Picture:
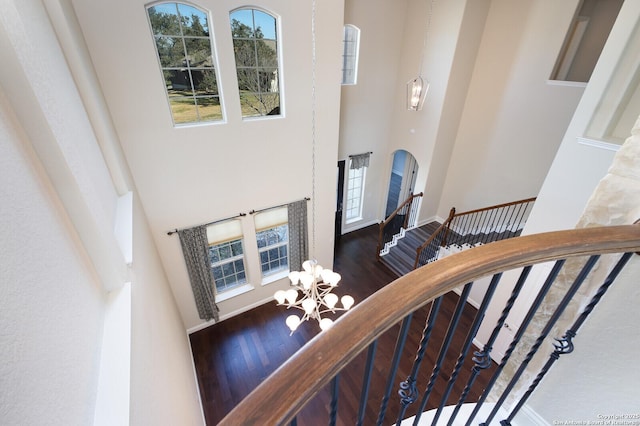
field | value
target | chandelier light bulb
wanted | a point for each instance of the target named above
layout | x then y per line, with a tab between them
294	277
326	323
309	305
347	301
330	300
293	321
307	265
306	279
291	296
280	295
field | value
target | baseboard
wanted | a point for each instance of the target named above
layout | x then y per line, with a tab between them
230	315
528	417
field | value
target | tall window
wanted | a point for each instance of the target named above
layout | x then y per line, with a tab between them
272	235
355	192
182	36
350	51
255	46
226	254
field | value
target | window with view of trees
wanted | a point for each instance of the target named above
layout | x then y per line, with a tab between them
272	236
226	254
255	46
183	44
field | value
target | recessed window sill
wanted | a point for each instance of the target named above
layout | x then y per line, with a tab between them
566	83
237	291
275	277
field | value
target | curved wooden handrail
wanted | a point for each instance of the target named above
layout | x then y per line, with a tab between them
276	400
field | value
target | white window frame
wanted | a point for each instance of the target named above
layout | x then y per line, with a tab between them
350	54
227	233
275	85
188	69
266	221
355	193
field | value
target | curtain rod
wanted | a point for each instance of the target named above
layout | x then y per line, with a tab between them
355	155
208	223
275	207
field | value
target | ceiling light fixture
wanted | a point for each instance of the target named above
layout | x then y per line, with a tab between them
315	284
417	88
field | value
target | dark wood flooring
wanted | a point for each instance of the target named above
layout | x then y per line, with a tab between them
234	356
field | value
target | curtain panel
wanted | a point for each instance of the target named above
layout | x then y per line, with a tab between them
359	161
298	235
195	249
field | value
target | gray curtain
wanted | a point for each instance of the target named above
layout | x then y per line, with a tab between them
298	235
195	249
359	161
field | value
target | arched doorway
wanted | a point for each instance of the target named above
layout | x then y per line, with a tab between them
402	181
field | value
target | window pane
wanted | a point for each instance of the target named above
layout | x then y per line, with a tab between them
209	108
245	52
170	52
198	52
204	82
194	21
267	80
164	19
265	25
183	110
267	52
178	83
242	23
251	105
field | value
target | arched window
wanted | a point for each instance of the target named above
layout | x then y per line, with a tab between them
255	45
182	38
350	50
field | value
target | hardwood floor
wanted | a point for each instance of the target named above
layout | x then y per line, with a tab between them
234	356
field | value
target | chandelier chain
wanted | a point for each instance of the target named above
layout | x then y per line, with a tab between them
313	129
426	35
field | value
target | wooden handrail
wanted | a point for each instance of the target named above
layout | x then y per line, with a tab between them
497	206
276	400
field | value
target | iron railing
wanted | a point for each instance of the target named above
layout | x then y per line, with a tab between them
575	253
475	227
403	218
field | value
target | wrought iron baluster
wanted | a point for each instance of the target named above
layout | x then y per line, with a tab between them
453	324
366	381
516	339
408	391
333	408
395	362
482	358
565	344
467	343
543	334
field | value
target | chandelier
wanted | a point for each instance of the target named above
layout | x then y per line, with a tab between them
314	284
417	88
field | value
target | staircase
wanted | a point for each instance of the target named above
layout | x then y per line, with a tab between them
401	258
409	249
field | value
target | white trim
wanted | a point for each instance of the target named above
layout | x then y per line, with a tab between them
359	226
528	417
597	143
114	378
269	279
235	291
195	379
566	83
230	314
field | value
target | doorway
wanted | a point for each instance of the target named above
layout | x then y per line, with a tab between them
402	181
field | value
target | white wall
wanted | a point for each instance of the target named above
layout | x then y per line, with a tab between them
601	375
513	120
196	174
366	108
51	299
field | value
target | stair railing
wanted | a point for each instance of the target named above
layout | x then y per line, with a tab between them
403	218
474	227
315	367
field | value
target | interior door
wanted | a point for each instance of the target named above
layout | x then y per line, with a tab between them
339	200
